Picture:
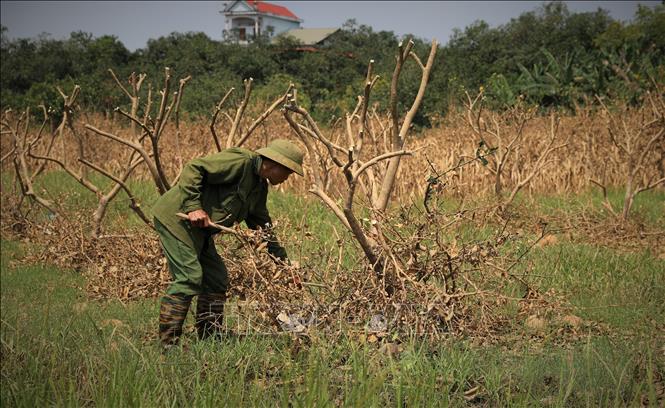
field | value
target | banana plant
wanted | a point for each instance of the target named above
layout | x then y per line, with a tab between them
550	83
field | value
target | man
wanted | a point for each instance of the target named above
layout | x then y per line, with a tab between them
223	188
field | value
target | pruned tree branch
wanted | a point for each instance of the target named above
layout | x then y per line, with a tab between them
606	201
278	102
399	136
178	99
140	150
240	112
23	173
218	108
120	182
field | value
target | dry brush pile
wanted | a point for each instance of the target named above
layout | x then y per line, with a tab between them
403	269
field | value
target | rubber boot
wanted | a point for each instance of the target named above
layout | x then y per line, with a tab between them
172	314
210	315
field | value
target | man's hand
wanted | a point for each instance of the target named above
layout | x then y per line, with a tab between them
287	263
199	218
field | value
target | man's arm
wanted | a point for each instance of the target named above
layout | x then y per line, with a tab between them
260	219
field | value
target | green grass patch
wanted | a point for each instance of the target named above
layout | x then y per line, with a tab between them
648	206
60	348
622	289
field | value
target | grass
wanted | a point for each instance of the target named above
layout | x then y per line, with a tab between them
625	290
60	348
648	206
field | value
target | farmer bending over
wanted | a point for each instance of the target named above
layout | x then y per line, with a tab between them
222	188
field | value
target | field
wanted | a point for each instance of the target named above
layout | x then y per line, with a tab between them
557	282
480	223
61	347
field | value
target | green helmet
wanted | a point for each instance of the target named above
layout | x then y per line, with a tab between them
285	153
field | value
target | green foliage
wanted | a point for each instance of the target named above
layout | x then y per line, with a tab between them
555	58
552	84
276	86
499	91
203	93
549	56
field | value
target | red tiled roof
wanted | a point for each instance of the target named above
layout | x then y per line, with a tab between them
263	7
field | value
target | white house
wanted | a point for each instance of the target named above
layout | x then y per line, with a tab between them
247	20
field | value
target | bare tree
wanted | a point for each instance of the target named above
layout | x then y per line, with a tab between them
135	83
399	133
79	175
636	142
524	177
504	133
153	129
18	129
326	153
69	102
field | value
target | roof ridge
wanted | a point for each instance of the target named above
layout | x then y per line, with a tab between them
264	7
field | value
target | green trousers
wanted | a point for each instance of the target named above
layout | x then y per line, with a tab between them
192	273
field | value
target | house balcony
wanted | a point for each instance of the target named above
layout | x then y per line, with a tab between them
243	29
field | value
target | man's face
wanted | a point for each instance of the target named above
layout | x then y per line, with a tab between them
277	174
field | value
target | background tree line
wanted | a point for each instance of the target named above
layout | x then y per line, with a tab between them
549	56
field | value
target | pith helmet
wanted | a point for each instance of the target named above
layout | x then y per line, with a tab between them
285	153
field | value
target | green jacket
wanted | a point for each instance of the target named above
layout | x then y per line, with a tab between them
228	187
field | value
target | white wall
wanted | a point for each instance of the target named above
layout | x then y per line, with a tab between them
278	24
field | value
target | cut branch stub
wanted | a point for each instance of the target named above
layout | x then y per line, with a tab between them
218	108
240	112
399	137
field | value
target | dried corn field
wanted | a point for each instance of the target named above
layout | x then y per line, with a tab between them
587	153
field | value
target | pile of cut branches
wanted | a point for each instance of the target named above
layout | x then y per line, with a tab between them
434	282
